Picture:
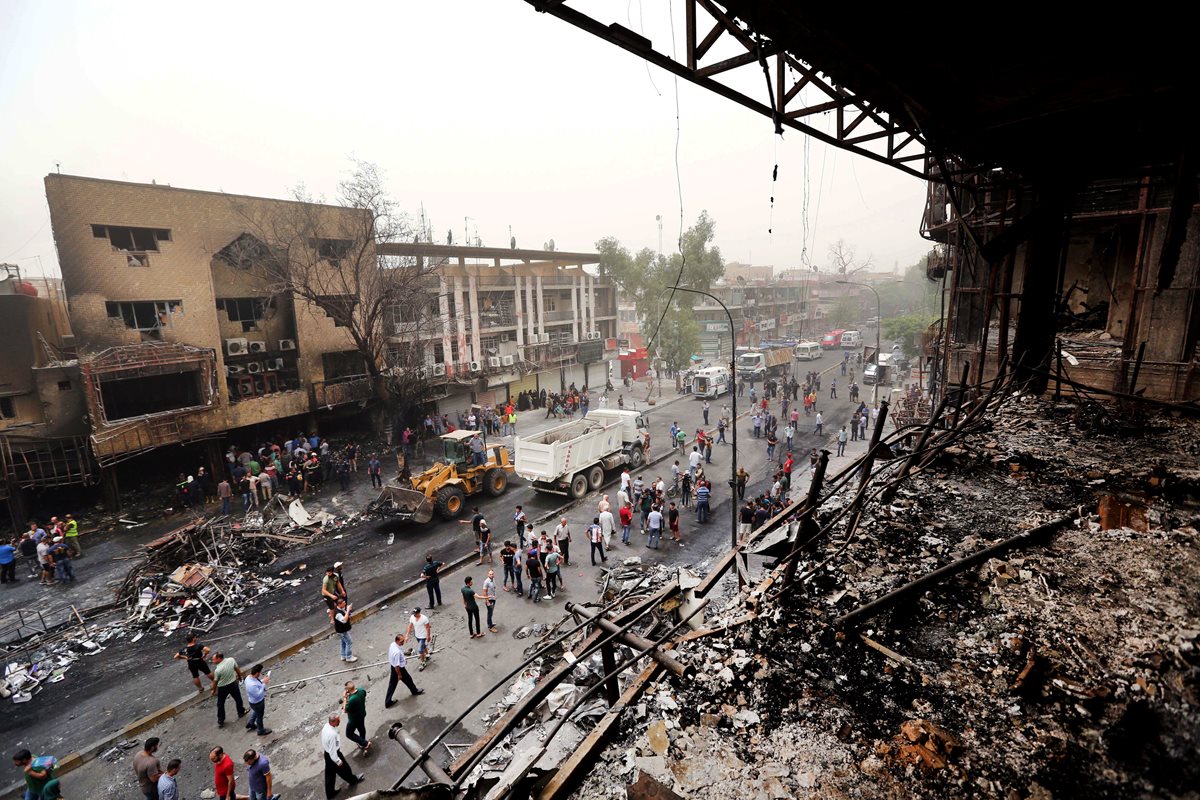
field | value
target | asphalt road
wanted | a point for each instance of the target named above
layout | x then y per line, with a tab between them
103	693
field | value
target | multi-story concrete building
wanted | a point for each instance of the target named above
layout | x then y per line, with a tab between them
182	338
508	321
762	308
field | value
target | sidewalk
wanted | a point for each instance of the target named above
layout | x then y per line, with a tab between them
460	670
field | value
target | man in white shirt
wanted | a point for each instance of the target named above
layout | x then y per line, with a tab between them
694	460
336	765
596	537
421	628
398	671
608	524
562	536
654	521
625	481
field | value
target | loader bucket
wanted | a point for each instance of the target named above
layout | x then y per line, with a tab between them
406	504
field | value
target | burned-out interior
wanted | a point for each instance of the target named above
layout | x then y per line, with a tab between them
137	395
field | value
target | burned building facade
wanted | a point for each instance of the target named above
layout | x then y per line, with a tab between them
179	338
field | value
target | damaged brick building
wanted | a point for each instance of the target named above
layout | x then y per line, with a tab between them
177	334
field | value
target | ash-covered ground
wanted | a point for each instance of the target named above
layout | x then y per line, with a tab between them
1063	669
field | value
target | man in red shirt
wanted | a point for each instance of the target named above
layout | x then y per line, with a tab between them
224	780
626	521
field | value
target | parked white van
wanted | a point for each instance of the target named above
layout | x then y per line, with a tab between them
851	340
807	351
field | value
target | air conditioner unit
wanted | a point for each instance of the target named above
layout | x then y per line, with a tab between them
593	334
257	346
507	361
504	337
274	364
235	369
254	367
439	370
493	361
246	388
422	371
474	366
287	344
236	347
543	338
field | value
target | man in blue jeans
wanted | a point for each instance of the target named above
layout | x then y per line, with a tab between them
258	767
702	496
256	694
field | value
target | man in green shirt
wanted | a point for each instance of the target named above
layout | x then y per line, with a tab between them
354	706
227	674
71	531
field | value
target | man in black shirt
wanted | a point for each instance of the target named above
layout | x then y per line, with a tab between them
433	580
195	654
745	521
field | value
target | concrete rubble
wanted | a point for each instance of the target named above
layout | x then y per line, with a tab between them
1067	668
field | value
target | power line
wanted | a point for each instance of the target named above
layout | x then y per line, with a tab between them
30	239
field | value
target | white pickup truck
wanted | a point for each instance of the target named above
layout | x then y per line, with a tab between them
571	458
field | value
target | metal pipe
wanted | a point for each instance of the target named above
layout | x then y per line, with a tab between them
501	790
498	684
548	682
632	639
411	746
868	610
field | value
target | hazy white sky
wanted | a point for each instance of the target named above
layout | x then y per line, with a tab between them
479	109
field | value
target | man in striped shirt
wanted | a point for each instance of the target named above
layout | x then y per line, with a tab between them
703	493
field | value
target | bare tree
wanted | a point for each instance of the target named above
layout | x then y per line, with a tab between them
328	256
844	259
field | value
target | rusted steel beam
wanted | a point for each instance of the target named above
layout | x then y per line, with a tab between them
543	687
397	733
571	771
926	582
659	654
735	62
608	659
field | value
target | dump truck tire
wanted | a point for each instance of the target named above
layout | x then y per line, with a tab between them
636	458
579	486
495	482
450	501
595	477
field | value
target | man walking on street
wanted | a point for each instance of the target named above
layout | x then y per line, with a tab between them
489	597
420	627
841	440
654	523
168	789
195	653
398	671
534	567
226	675
258	775
336	765
596	537
472	607
342	626
521	519
820	424
432	578
354	706
562	536
375	470
224	781
256	694
705	409
703	493
147	769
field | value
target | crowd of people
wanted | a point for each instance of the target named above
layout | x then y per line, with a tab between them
49	552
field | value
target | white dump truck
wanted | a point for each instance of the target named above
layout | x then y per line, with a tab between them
571	458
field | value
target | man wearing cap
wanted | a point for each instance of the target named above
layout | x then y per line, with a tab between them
398	671
421	628
61	554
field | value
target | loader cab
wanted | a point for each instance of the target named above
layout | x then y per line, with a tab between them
457	448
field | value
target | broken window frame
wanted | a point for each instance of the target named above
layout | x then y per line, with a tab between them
247	310
129	311
131	238
331	250
8	409
350	301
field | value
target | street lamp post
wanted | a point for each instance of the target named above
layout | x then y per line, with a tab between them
878	324
733	498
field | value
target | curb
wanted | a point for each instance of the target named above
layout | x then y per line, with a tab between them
92	751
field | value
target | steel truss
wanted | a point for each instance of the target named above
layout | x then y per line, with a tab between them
861	126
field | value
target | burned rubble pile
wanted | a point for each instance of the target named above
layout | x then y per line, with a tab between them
1067	667
187	579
